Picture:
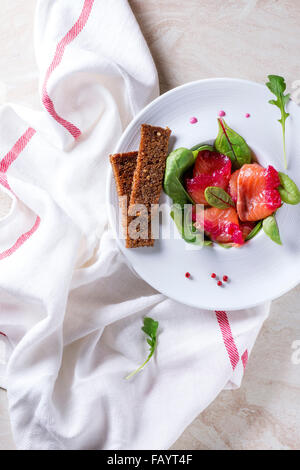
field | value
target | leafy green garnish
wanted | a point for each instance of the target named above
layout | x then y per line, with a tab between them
198	148
225	245
230	143
150	329
288	190
277	86
270	228
178	162
182	217
217	197
254	231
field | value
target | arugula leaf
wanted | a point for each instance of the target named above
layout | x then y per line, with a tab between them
277	86
150	329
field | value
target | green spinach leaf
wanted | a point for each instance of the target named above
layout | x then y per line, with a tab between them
150	329
178	162
288	190
182	217
225	245
217	197
277	86
230	143
270	228
196	149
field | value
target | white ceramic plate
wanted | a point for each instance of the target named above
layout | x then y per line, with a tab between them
258	271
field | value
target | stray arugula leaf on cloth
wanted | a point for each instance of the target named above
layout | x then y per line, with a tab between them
150	329
277	86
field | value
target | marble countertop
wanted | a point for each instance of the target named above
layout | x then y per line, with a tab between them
192	40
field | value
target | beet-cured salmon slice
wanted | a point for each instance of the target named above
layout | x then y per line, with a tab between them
210	169
221	225
257	196
197	185
212	163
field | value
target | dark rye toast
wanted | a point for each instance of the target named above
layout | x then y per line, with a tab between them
148	177
123	165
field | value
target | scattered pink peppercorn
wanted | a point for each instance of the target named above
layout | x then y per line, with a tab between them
193	120
187	275
225	278
247	115
213	275
222	113
220	283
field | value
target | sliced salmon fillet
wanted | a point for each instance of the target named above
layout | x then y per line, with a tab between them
210	169
232	187
221	225
257	196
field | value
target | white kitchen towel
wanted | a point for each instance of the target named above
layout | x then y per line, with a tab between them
71	309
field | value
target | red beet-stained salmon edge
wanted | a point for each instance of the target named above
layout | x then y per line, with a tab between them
237	237
273	199
272	178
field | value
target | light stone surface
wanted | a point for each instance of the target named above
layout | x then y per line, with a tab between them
192	40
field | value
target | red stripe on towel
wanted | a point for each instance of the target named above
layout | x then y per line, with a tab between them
4	182
11	156
2	334
60	49
5	163
21	240
228	338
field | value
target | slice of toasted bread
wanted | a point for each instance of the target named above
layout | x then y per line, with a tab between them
123	165
148	177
